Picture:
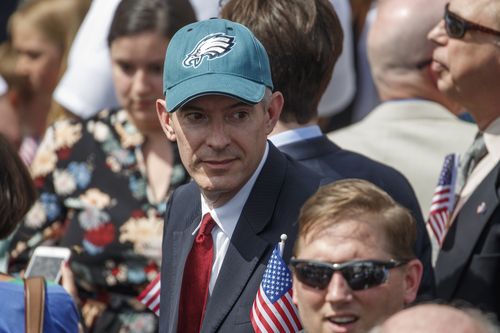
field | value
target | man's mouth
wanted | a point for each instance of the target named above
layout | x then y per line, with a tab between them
342	323
343	320
218	163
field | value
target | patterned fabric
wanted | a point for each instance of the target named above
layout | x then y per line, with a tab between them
150	296
443	200
93	198
273	310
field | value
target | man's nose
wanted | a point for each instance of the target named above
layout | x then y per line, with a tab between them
438	34
338	290
218	137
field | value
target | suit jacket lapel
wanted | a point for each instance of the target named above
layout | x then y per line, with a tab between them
463	235
182	241
246	247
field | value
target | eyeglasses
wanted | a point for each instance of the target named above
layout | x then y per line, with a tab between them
456	26
360	274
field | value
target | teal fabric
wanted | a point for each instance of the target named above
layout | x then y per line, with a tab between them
215	56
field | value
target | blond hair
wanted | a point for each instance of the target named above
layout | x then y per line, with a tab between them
355	199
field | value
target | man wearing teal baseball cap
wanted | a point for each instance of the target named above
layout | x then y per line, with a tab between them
221	228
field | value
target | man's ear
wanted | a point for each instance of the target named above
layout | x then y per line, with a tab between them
274	110
165	119
413	276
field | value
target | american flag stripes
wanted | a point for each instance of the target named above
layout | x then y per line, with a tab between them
273	309
150	296
443	200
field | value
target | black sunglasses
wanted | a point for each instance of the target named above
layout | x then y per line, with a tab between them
456	26
359	274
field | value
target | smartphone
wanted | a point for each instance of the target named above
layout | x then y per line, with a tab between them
46	261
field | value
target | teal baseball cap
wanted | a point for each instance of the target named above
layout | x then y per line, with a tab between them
215	57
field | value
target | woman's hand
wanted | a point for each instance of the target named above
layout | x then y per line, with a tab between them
68	281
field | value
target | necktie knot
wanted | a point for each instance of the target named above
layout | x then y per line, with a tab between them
207	224
470	159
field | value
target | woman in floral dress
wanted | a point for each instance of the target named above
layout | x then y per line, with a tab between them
103	182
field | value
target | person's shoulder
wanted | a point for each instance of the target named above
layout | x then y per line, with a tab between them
62	310
57	294
185	193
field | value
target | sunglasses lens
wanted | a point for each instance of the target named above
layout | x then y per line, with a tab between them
365	275
314	275
454	27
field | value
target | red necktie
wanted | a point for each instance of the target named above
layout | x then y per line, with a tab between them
194	292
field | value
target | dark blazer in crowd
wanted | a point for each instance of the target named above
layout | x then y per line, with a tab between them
468	265
324	157
271	210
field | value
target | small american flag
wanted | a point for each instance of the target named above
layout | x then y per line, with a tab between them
150	296
443	200
273	309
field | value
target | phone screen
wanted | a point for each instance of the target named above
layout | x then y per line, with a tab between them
47	267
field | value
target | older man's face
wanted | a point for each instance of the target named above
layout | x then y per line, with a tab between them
468	66
339	308
221	141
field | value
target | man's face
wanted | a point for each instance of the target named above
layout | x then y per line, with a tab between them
338	308
468	68
221	141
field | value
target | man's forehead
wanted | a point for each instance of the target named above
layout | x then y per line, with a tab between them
348	232
486	12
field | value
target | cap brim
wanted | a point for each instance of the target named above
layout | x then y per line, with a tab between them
214	84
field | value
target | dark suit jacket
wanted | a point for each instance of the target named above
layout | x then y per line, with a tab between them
324	157
468	265
271	210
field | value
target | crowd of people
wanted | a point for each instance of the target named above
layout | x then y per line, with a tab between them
196	166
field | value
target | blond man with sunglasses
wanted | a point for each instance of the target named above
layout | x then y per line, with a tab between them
466	62
353	263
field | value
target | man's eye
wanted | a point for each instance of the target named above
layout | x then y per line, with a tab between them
194	116
240	115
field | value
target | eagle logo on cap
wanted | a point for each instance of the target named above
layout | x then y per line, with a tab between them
212	47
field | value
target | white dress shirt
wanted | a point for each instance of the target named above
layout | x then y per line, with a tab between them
226	217
492	140
296	134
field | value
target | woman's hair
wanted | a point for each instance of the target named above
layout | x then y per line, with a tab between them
17	192
137	16
57	20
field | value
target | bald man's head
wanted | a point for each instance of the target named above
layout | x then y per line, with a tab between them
437	318
399	51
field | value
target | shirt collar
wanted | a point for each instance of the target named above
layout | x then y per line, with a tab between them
492	138
227	216
296	134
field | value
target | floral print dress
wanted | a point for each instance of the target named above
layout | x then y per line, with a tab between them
94	199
